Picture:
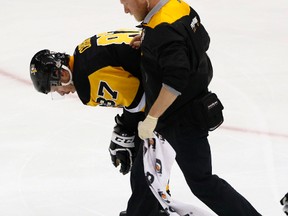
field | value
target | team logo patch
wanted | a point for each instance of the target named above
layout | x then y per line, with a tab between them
33	69
195	24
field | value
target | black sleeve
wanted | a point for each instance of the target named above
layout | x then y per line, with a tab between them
173	57
131	120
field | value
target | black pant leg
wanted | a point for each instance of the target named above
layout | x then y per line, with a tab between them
194	159
142	201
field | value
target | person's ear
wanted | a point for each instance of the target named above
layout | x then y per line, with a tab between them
65	74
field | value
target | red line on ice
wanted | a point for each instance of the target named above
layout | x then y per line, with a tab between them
241	130
251	131
14	77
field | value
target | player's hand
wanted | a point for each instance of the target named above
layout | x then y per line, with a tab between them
146	127
284	202
122	147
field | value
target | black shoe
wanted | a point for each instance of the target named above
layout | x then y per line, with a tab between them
161	213
123	213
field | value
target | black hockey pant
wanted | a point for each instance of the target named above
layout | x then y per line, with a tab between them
194	159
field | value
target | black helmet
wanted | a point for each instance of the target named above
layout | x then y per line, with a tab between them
45	69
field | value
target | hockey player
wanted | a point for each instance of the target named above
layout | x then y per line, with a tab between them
104	70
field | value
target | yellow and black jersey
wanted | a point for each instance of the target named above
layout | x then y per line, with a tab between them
106	71
174	45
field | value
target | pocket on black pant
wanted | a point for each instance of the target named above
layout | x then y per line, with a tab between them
207	111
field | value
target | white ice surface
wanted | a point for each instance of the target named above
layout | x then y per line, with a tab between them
54	158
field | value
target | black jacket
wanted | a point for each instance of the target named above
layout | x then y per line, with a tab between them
174	45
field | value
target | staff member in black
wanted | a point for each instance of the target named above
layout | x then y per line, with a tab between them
176	71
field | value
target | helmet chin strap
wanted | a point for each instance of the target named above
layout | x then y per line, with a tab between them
70	74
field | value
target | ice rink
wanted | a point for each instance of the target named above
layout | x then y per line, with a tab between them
54	158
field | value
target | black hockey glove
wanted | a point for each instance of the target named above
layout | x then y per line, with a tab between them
284	202
122	146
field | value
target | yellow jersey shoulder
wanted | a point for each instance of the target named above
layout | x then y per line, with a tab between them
169	13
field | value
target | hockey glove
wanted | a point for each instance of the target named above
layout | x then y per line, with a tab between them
122	147
284	201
